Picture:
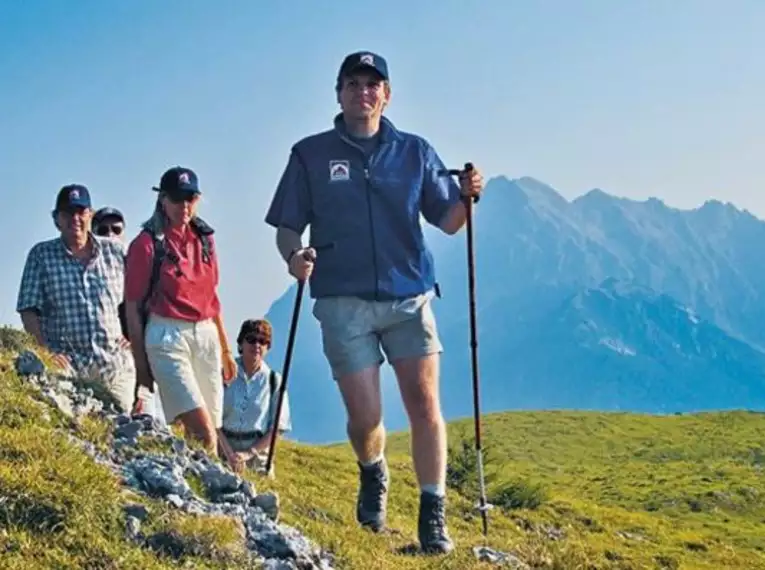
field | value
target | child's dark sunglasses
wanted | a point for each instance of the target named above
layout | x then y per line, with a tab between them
110	229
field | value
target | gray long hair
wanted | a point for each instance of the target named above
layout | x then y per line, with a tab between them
157	223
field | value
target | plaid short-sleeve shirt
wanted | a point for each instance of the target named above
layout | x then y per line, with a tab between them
77	302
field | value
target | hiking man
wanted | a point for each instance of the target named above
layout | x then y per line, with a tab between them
109	222
362	186
70	288
249	401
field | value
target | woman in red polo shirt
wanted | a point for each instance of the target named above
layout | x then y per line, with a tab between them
173	312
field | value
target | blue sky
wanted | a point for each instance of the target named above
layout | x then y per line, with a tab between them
640	99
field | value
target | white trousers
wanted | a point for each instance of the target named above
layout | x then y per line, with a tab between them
185	359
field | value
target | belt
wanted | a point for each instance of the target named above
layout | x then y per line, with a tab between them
242	434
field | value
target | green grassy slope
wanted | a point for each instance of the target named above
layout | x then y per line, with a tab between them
60	509
578	490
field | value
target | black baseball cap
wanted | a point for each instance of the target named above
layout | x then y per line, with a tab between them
72	196
107	212
364	60
179	179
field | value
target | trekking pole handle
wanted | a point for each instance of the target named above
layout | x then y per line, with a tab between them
317	248
456	172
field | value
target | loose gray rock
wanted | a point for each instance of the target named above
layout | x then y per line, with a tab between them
161	477
29	364
269	503
129	430
132	528
486	554
217	480
136	510
278	564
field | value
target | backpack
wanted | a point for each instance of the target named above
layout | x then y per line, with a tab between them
201	228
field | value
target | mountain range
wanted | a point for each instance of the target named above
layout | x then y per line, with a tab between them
599	303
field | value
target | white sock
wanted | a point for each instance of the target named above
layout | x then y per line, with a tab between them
434	489
373	461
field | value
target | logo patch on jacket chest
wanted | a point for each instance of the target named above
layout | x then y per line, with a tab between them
339	170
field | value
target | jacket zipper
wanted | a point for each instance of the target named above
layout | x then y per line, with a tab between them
368	186
372	228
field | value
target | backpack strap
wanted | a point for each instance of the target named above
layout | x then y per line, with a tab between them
204	231
159	254
272	385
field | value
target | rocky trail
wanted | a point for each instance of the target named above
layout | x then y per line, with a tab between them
165	475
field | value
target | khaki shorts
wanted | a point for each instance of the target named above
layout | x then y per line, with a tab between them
185	360
357	334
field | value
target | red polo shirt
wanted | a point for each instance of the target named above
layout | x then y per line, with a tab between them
186	290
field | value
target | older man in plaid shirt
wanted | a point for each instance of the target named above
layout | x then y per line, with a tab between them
70	290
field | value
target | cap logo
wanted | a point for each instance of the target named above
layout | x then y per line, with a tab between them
183	178
367	59
74	194
339	170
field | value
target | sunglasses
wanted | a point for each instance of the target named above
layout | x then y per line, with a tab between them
181	196
256	339
109	229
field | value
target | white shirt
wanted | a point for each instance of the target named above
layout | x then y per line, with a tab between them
247	405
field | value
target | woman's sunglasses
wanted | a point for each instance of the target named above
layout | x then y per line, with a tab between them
256	339
110	229
178	196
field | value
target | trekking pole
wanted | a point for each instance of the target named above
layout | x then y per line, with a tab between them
483	505
285	373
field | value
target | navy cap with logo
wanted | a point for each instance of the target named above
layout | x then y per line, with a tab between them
364	60
177	180
71	197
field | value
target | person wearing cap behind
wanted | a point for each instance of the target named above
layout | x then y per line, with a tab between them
174	320
250	401
109	222
70	289
361	186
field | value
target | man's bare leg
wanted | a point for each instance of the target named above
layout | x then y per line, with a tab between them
418	381
363	403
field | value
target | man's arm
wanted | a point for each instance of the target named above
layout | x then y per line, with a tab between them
290	209
30	298
454	219
441	203
287	241
31	322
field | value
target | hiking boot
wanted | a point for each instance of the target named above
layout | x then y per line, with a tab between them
431	525
371	504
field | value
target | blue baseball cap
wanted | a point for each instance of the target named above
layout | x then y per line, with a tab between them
72	196
364	60
179	179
